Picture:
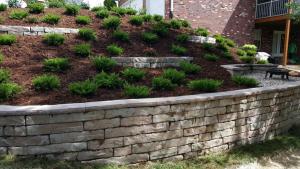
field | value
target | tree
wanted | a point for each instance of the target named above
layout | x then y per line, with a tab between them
295	14
109	3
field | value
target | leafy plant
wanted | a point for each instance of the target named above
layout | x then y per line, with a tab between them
54	39
147	17
136	20
178	50
157	18
7	39
3	7
161	29
83	50
241	52
230	43
205	85
31	20
175	24
136	91
112	22
110	81
1	58
84	5
56	64
175	76
261	62
103	13
9	90
119	10
98	8
46	82
202	32
83	20
227	55
55	3
109	4
36	8
182	38
18	14
223	47
185	23
4	75
189	68
247	59
51	19
121	36
250	49
150	38
87	34
133	74
103	63
160	83
245	81
131	11
219	38
211	57
208	46
114	50
72	9
84	88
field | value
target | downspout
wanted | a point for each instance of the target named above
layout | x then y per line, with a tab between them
171	9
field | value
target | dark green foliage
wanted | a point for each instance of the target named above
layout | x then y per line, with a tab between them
230	43
83	20
245	81
147	17
160	83
182	38
84	5
18	14
133	74
158	18
104	13
98	8
72	9
103	63
208	46
225	41
205	85
150	52
150	38
7	39
261	62
136	20
136	91
84	88
109	4
9	90
3	7
36	8
112	22
241	52
211	57
131	11
185	23
83	50
175	24
176	77
54	39
247	59
250	49
189	68
46	82
119	10
223	47
161	29
178	50
1	58
56	64
121	36
55	3
31	20
110	81
202	32
4	75
87	34
114	50
51	19
219	38
227	55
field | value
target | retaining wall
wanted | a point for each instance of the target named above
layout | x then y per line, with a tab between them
132	131
35	30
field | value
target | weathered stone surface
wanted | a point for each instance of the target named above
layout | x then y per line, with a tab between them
54	128
24	141
215	111
140	111
132	121
35	30
12	121
194	131
107	143
91	155
14	131
122	151
134	158
101	124
184	149
187	124
77	136
3	150
163	153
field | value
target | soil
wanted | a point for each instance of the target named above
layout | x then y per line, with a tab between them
24	59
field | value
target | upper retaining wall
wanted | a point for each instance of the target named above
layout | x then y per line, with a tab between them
132	131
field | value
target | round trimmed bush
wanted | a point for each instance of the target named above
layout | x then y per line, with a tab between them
112	22
103	63
182	38
121	36
7	39
109	81
185	23
136	91
131	11
32	20
55	3
205	85
211	57
72	9
175	24
18	14
98	8
150	38
133	74
241	52
56	64
178	50
114	50
46	82
54	39
157	18
201	32
4	75
9	90
147	17
87	34
161	29
160	83
109	4
83	50
245	81
189	68
136	20
104	13
3	7
176	77
36	8
51	19
83	20
84	88
119	10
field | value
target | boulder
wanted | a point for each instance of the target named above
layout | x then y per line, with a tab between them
262	56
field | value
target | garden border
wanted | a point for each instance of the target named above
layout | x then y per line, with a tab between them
35	30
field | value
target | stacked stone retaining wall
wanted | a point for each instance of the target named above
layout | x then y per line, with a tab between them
35	30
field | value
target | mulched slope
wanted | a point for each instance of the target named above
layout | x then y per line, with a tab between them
24	59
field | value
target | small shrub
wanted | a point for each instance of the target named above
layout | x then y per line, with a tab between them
46	82
103	63
18	14
208	46
175	24
54	39
136	20
241	52
261	62
1	58
245	81
83	50
178	50
84	5
211	57
161	29
182	38
83	20
114	50
147	17
175	76
56	4
227	55
87	34
150	52
110	81
202	32
121	36
9	90
4	75
223	47
150	38
98	8
72	9
51	19
247	59
112	22
31	20
3	7
136	91
119	10
7	39
56	64
230	43
131	11
36	8
160	83
247	47
157	18
133	74
84	88
219	38
109	4
185	23
104	13
205	85
189	68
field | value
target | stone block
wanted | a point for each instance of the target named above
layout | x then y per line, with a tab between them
91	155
173	158
186	124
37	29
132	121
14	131
147	147
163	153
210	120
184	149
227	117
130	159
215	111
54	128
102	124
77	136
168	117
122	151
194	131
12	121
24	141
139	111
107	143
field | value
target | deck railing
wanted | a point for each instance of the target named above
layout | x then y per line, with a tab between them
271	8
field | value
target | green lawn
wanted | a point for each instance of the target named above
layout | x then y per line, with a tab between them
241	155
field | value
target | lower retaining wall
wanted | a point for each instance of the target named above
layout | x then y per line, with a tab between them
132	131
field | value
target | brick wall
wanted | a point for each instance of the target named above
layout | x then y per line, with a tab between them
132	131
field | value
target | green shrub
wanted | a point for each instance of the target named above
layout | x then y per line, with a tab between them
157	18
189	68
3	7
160	83
104	13
223	47
219	38
98	8
241	52
208	46
51	19
175	24
185	23
147	17
9	90
84	88
72	9
103	63
1	58
136	20
150	38
55	4
4	75
54	39
110	81
251	50
211	57
131	11
182	38
247	59
83	50
175	76
109	4
205	85
121	36
114	50
119	10
112	22
161	29
31	20
84	5
83	20
56	64
202	32
18	14
178	50
133	74
136	91
87	34
36	8
7	39
227	55
261	62
46	82
230	43
245	81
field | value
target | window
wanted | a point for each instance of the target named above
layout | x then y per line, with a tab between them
257	38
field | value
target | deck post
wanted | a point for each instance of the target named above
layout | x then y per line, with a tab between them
286	41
